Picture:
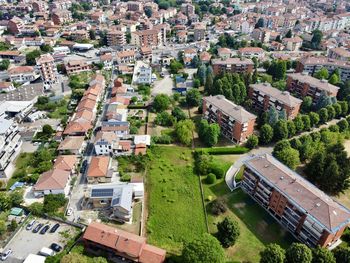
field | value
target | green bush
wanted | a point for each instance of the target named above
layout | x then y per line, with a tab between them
217	170
125	177
210	179
224	150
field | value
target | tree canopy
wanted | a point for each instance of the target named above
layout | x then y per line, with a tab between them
228	232
273	253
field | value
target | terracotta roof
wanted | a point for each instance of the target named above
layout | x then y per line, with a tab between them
78	126
53	179
86	104
314	82
71	143
21	69
124	243
251	49
105	136
98	166
66	162
307	196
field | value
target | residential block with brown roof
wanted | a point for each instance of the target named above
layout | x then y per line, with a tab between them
232	65
121	243
55	181
99	170
312	217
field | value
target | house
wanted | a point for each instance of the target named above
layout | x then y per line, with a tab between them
72	144
125	57
6	86
224	53
22	74
251	52
115	242
263	96
76	66
99	170
235	122
293	44
309	214
339	54
66	163
143	75
54	181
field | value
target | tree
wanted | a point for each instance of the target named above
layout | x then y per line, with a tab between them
291	128
289	34
210	179
299	124
203	249
323	101
278	69
164	119
184	130
175	66
218	207
5	202
314	118
343	125
306	122
48	130
289	157
228	232
344	107
298	253
316	39
178	114
252	141
161	103
193	97
74	258
322	255
331	112
342	254
209	82
46	48
3	227
337	108
334	79
322	74
195	62
53	202
36	208
16	197
4	64
273	253
148	11
266	134
272	115
307	104
280	130
260	23
92	34
323	115
13	225
31	56
209	133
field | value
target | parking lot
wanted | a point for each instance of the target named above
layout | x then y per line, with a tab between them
26	242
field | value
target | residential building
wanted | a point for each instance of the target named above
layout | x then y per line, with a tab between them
232	65
54	181
314	64
22	74
143	75
99	170
66	163
235	122
115	242
301	85
199	31
339	54
135	6
73	145
108	143
263	96
76	66
116	38
10	144
60	17
47	67
251	52
126	57
292	44
149	37
300	207
15	25
6	86
224	53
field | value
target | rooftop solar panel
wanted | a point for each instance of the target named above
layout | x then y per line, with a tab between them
102	192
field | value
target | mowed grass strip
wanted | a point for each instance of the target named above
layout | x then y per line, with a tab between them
175	211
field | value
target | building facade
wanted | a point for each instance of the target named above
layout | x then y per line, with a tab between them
232	65
307	213
47	67
263	96
235	122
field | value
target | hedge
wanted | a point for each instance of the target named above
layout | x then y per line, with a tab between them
224	150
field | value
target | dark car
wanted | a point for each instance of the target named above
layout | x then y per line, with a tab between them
56	247
37	228
83	166
54	228
44	230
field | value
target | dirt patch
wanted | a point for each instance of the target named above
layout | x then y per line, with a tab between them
347	146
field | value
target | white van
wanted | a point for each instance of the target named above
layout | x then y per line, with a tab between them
46	252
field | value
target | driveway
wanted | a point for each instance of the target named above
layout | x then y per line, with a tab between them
165	85
26	242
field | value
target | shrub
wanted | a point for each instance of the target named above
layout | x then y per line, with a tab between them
217	170
225	150
210	179
125	177
218	207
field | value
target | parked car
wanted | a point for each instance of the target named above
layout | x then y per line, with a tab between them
37	228
54	228
69	211
6	254
44	230
30	225
56	247
46	252
83	166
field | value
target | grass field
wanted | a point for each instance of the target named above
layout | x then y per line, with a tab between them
175	211
257	227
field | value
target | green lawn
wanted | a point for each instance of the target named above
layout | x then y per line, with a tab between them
175	211
257	227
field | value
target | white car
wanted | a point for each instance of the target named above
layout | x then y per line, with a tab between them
6	254
69	211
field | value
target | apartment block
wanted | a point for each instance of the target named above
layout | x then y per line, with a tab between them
232	65
301	85
235	122
116	38
306	212
10	144
60	17
76	66
314	64
149	38
263	96
47	67
339	54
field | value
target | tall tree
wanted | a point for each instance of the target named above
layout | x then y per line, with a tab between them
184	130
316	39
203	249
202	73
322	74
266	134
273	253
298	253
228	232
322	255
281	130
273	115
